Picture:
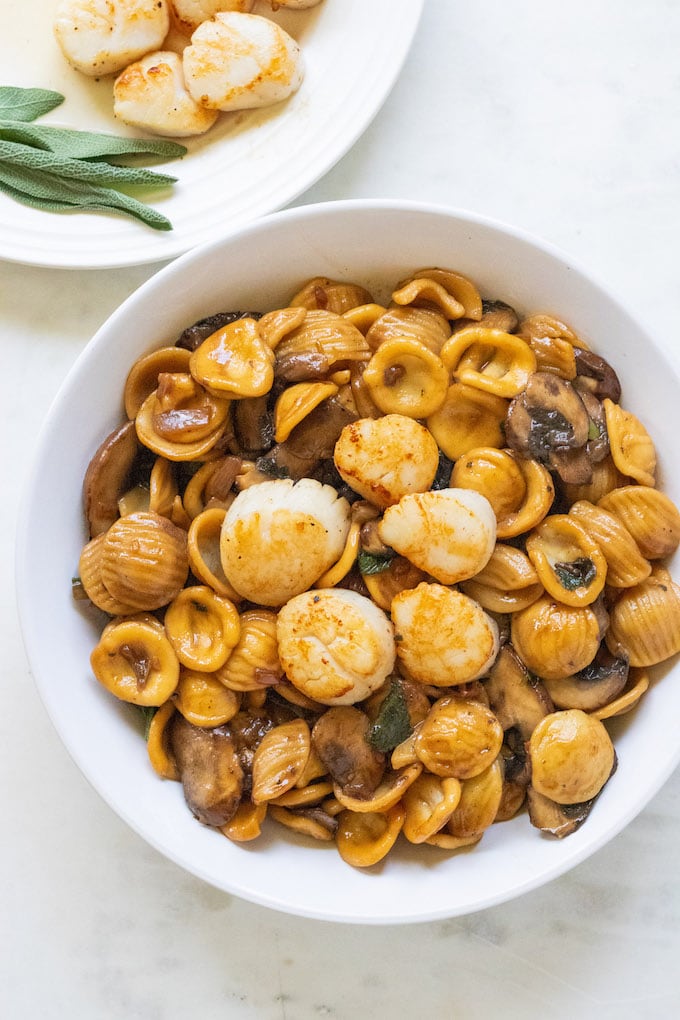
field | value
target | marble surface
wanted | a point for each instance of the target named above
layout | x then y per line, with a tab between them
564	120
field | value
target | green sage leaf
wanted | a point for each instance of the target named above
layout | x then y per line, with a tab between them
374	563
392	724
45	191
23	156
578	573
18	104
87	144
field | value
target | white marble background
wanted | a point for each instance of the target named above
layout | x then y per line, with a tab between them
562	118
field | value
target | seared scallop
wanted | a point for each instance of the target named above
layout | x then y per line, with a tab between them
384	458
449	533
443	637
335	645
103	36
279	537
189	14
151	94
239	61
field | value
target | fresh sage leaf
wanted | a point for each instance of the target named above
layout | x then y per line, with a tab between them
45	191
19	155
578	573
21	104
374	563
87	144
392	724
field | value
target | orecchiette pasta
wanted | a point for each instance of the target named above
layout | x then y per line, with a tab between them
381	566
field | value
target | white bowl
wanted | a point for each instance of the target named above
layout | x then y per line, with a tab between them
374	243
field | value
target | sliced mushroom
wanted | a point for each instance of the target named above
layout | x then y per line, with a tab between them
340	738
254	425
558	820
194	335
108	477
592	366
593	687
495	315
597	446
548	422
210	770
311	441
518	699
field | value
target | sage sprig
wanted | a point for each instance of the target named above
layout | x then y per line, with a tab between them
63	169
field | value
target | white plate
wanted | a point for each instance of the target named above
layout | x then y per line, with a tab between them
247	165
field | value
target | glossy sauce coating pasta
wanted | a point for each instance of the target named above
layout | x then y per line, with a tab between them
382	571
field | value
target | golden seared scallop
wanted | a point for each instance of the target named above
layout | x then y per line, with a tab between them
189	14
150	94
240	61
443	637
335	645
104	36
572	756
279	537
385	458
448	533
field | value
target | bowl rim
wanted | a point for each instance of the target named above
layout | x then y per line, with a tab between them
157	281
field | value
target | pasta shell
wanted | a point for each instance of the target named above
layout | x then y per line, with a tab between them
555	640
426	326
405	377
605	477
275	325
296	402
572	757
323	343
144	560
90	573
365	838
632	449
428	805
203	547
458	738
468	418
645	622
520	491
203	700
254	662
135	661
142	378
158	746
649	515
455	285
199	405
280	759
246	824
553	354
489	360
626	566
480	799
569	563
234	361
330	295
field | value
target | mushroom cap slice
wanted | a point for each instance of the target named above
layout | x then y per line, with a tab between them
107	477
210	770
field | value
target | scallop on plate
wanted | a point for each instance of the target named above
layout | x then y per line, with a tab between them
248	163
435	665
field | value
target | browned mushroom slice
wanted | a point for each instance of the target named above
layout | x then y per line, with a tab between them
495	315
311	441
194	335
108	476
340	738
253	425
557	820
518	699
548	422
592	366
593	687
209	768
